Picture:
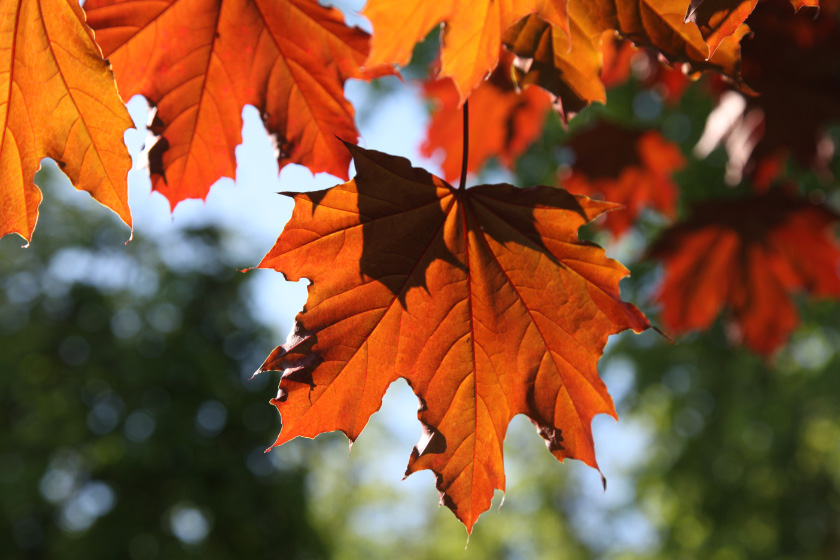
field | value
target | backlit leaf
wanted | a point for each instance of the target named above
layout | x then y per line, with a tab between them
201	61
547	60
572	73
484	300
718	19
472	32
749	256
59	101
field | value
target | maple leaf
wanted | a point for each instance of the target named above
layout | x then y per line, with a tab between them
749	255
568	65
509	122
200	61
793	63
545	58
60	101
718	19
482	299
626	166
472	32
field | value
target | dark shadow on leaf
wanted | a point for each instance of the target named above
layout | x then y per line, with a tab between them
402	221
531	41
553	436
508	213
160	147
296	359
315	196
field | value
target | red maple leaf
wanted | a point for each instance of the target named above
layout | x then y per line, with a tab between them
626	166
568	64
750	256
719	19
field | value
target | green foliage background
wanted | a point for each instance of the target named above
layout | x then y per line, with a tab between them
128	426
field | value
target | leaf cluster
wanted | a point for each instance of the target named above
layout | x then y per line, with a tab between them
485	300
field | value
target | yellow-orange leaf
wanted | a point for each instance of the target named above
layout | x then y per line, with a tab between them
472	32
201	61
59	100
484	300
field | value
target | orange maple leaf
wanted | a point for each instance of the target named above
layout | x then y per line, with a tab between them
508	120
626	166
200	61
749	255
568	65
59	101
471	38
482	299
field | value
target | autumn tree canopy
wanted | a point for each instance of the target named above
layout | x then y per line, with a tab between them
487	300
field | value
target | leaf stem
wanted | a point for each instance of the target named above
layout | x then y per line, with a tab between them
463	185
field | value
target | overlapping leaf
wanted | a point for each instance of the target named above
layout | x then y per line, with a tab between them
200	61
506	121
483	300
793	62
718	19
547	58
750	256
472	32
59	101
626	166
569	65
